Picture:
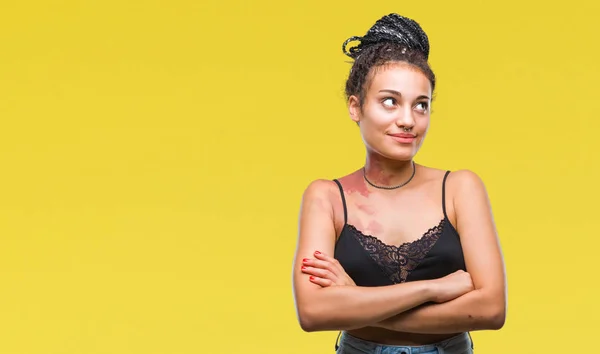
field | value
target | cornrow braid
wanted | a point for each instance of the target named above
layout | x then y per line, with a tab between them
393	38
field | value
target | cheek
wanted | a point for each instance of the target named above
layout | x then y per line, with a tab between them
423	123
373	128
422	129
379	119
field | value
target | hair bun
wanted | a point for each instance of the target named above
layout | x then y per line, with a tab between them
391	28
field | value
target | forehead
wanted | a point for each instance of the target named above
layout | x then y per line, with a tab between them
401	77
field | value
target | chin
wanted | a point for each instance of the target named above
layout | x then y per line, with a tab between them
406	155
395	151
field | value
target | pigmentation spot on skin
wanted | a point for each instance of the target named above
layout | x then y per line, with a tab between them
356	184
377	171
378	174
367	209
375	228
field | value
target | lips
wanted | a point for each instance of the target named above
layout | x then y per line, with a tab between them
403	135
403	138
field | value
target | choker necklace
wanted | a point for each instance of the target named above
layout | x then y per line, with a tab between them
392	187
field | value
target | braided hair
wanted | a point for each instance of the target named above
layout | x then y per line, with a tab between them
393	38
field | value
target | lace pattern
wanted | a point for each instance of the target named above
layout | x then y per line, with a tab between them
398	261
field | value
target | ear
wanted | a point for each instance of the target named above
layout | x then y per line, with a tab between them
354	108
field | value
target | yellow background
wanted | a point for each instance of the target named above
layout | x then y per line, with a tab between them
154	153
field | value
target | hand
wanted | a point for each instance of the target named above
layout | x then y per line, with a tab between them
452	286
326	271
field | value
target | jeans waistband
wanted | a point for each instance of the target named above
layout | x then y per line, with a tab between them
461	343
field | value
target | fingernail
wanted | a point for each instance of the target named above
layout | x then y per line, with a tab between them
317	252
305	260
303	268
312	278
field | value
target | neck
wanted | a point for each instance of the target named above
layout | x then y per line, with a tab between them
387	173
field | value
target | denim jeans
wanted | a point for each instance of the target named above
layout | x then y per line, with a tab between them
460	344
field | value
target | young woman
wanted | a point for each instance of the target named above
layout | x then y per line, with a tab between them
399	257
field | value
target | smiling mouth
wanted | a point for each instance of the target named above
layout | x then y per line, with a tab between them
403	135
403	138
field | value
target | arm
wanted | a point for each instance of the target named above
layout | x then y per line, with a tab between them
485	307
341	307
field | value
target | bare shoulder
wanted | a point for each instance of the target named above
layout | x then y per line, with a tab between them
470	200
325	195
320	194
319	189
465	182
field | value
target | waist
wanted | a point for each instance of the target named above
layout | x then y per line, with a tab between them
454	343
457	344
388	337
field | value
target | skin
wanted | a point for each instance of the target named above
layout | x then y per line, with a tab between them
414	313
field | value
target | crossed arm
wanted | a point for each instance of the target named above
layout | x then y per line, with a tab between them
327	299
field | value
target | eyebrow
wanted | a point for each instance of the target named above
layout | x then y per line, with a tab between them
399	94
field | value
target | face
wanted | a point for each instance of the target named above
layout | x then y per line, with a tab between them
394	118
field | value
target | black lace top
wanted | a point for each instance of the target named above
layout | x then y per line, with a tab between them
370	262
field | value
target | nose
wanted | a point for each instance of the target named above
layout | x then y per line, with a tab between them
406	119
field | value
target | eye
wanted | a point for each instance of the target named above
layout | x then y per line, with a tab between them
422	107
388	102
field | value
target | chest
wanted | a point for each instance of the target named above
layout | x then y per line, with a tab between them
372	262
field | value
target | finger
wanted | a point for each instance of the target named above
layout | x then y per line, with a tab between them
321	273
314	262
320	281
321	264
326	258
323	256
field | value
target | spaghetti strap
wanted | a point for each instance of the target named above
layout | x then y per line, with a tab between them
444	194
343	201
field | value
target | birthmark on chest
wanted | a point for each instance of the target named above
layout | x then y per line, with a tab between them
367	209
374	227
356	185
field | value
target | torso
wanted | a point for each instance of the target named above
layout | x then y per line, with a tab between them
382	223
